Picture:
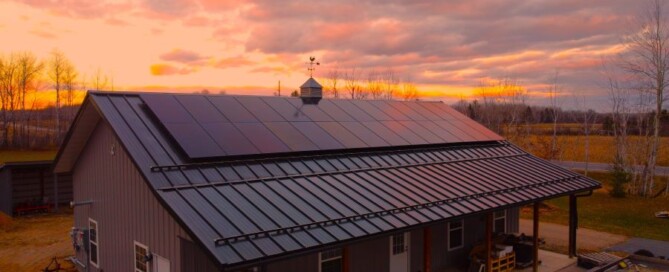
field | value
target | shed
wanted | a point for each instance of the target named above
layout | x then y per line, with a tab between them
183	182
29	186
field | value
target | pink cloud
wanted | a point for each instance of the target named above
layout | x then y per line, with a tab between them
237	61
183	56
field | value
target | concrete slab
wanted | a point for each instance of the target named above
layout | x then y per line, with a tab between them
557	236
551	261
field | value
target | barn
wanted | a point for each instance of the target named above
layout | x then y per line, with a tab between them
190	182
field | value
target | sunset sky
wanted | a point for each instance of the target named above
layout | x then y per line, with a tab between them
247	46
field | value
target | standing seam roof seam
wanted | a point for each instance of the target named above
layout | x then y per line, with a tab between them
403	209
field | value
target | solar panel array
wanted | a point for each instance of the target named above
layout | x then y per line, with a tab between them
217	126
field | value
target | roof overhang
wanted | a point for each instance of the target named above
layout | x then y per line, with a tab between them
83	125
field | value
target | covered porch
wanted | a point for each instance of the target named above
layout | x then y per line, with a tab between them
506	254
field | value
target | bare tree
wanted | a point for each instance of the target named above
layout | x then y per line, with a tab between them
587	118
408	91
374	85
555	110
29	70
391	84
333	82
352	84
58	68
647	59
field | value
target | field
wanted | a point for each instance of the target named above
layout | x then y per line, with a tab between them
631	216
26	155
572	148
28	243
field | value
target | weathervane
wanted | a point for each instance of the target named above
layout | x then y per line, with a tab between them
312	61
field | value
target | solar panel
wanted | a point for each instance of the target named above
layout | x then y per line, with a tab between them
199	107
286	109
259	109
217	126
262	137
290	136
232	109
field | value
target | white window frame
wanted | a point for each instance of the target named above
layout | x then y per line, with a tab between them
134	256
96	243
462	235
495	218
321	260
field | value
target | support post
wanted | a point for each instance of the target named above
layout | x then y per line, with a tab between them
573	224
346	259
427	249
535	233
55	192
488	242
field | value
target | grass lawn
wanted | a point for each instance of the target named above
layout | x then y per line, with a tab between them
26	155
631	216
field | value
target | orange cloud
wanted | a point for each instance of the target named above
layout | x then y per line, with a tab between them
161	69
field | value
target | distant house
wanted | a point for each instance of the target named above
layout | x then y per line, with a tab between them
28	187
182	182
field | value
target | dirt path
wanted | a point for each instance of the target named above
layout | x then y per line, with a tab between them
557	237
28	243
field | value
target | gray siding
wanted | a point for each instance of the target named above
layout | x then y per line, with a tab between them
124	207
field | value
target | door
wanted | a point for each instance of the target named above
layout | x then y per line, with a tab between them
160	264
399	252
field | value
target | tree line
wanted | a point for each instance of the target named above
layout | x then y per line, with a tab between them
356	83
30	116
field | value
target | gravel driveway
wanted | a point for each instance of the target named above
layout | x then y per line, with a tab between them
557	236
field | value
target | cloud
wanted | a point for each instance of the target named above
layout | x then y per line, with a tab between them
183	56
232	62
79	8
161	69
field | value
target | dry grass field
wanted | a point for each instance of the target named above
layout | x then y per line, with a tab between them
26	155
28	243
572	148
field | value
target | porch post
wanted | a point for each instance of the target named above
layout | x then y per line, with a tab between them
427	249
573	224
535	233
346	259
488	242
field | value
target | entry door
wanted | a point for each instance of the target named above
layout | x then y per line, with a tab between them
399	252
160	264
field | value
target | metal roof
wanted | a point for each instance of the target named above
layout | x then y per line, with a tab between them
257	208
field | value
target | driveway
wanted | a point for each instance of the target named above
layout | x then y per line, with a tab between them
557	236
658	248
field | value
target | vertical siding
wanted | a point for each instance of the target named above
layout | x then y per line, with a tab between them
123	205
513	220
27	185
370	255
416	251
306	263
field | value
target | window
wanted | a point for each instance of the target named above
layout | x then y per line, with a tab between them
330	260
93	242
399	245
455	235
499	222
141	258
